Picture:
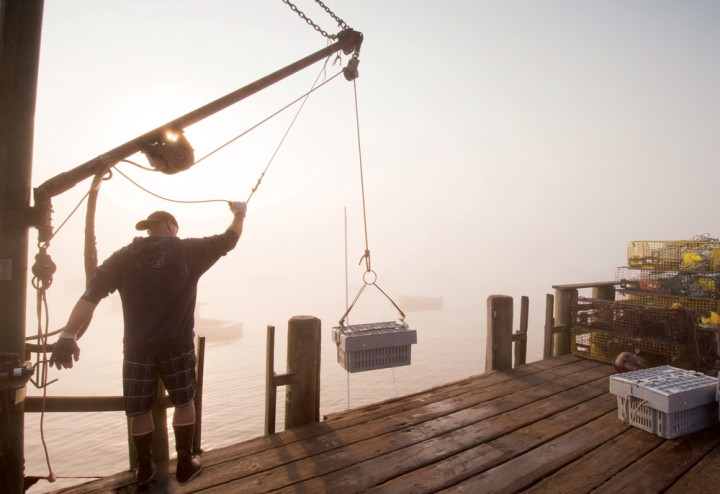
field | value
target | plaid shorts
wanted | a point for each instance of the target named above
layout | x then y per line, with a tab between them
140	379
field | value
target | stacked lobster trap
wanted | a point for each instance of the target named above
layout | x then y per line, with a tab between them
666	308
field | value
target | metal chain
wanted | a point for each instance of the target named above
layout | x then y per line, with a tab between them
341	23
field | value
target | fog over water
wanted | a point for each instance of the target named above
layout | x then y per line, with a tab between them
507	146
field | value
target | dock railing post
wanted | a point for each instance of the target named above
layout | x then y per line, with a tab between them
520	337
498	350
200	371
563	303
270	381
302	398
549	326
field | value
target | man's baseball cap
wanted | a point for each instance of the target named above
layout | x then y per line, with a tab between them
156	217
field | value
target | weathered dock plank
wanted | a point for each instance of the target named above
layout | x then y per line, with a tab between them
370	439
440	442
703	477
513	476
662	467
550	426
594	468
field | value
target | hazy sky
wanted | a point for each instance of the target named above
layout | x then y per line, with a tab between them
507	145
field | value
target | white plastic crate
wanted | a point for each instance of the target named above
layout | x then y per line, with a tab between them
364	347
665	400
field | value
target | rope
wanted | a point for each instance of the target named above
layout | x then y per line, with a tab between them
362	180
366	256
303	97
306	96
70	215
42	282
266	119
162	197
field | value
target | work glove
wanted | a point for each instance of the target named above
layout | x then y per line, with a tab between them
238	207
64	351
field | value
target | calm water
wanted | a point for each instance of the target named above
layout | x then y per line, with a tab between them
95	444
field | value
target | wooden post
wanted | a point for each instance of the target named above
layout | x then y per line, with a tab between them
563	302
20	32
270	386
604	292
549	326
200	372
302	398
498	350
520	338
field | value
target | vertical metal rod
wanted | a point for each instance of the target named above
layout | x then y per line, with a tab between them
347	298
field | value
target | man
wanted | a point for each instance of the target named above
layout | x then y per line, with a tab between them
157	279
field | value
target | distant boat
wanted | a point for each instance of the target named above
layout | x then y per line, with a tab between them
418	303
217	330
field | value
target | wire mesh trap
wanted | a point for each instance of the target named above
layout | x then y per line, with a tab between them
602	329
701	255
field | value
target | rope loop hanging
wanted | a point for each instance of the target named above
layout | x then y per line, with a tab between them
369	277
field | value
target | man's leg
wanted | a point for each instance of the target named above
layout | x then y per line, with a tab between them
141	429
177	369
188	465
139	376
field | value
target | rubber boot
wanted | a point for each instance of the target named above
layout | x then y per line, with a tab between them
188	466
143	449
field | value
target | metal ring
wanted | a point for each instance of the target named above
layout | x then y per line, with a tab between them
365	277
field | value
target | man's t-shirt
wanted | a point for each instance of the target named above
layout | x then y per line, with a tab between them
157	280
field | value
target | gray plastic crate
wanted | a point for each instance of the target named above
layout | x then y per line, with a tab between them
665	400
364	347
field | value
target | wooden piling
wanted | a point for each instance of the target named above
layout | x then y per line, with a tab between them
563	301
520	337
270	385
604	292
549	326
498	350
302	399
20	33
200	373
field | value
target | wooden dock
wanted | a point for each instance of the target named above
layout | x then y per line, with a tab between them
547	427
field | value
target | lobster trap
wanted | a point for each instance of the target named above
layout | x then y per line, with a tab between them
602	329
676	283
665	301
701	255
632	320
364	347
